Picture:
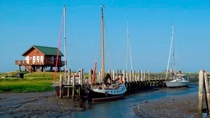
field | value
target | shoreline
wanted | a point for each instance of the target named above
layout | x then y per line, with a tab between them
48	104
177	106
43	104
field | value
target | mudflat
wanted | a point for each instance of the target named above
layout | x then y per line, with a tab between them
179	106
44	104
48	104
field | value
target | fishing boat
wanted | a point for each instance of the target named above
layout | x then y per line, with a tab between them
174	79
106	91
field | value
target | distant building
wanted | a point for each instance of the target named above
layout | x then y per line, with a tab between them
38	58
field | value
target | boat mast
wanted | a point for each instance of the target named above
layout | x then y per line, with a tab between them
64	31
169	56
174	61
102	31
128	50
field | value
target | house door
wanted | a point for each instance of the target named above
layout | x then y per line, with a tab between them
30	60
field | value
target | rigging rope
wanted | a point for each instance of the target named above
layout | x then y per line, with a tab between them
58	51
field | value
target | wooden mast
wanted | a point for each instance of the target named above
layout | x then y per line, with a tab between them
102	31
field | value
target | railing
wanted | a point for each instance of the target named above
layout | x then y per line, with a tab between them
19	62
23	62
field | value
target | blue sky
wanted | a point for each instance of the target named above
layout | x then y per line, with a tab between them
32	22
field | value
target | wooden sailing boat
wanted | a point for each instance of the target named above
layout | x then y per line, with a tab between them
175	80
104	91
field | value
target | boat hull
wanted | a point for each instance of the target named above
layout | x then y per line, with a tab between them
98	95
111	98
177	84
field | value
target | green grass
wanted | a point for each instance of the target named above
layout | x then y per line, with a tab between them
32	82
37	81
17	85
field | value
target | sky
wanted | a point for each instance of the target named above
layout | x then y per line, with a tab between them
147	22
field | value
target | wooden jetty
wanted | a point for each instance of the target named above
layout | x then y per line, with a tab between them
76	88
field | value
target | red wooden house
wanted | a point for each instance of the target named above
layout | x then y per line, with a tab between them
38	58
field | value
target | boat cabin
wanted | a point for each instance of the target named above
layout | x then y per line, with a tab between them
38	58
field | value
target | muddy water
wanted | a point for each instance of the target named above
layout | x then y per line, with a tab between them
124	108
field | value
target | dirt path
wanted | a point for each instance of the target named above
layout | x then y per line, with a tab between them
45	104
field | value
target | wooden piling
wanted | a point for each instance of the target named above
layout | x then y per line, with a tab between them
81	77
207	92
73	88
69	82
117	73
149	76
61	86
141	75
124	76
113	74
90	76
99	76
133	74
200	92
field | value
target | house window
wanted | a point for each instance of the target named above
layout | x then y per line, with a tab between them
34	59
41	59
37	58
27	59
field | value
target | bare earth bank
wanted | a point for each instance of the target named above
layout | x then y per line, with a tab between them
179	106
45	104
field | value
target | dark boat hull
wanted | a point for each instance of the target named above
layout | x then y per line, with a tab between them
107	94
99	97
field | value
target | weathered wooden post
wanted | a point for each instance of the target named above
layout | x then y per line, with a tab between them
141	75
81	76
90	76
131	77
113	74
124	76
120	72
134	77
61	87
117	73
200	92
207	92
149	76
99	76
110	72
81	82
73	88
69	82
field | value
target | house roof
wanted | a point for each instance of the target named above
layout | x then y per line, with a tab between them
45	50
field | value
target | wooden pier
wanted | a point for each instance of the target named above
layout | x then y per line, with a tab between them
75	86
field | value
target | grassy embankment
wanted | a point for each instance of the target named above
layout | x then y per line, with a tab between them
32	82
39	81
